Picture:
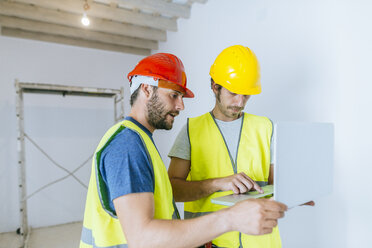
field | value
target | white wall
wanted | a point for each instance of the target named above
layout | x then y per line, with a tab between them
315	61
68	128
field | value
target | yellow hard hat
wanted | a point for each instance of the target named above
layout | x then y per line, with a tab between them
236	68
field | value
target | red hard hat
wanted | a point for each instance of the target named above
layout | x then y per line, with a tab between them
163	66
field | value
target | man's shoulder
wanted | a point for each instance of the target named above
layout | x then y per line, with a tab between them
257	120
200	116
256	117
200	119
126	138
128	133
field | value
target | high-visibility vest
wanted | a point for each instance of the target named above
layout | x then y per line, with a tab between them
101	227
210	158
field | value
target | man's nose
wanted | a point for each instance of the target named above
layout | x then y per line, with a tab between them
239	100
179	104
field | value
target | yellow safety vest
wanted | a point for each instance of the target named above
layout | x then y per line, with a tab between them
210	158
101	227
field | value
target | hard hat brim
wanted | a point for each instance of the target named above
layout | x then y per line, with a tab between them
188	94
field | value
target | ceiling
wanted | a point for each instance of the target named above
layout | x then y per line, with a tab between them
128	26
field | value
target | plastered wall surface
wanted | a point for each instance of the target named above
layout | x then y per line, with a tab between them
67	128
315	66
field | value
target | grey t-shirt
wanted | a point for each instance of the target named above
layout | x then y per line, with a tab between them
230	131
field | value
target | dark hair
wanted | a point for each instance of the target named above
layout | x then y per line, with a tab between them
218	86
134	95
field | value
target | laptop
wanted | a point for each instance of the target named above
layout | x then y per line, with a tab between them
303	167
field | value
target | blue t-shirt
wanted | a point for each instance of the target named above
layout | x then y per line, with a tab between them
125	165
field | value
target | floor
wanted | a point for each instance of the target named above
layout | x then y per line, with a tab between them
61	236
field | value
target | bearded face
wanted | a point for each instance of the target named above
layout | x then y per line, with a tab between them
159	115
229	104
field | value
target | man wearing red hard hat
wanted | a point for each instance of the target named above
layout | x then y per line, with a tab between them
130	201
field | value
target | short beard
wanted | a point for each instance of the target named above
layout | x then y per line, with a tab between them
226	113
157	115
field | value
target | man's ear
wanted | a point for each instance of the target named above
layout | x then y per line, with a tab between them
147	90
214	87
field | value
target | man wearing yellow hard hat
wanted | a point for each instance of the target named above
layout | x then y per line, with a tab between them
130	201
225	150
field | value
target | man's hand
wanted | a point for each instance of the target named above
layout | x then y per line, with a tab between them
238	183
136	215
256	216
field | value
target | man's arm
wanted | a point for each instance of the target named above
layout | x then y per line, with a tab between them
136	215
271	174
193	190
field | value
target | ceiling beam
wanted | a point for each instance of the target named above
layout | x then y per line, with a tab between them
71	41
42	27
28	11
106	11
156	6
197	1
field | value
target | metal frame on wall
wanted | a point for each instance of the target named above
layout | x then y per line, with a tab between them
38	88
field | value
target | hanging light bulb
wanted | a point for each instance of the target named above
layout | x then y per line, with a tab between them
85	20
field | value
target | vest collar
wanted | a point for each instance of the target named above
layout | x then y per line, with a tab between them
131	119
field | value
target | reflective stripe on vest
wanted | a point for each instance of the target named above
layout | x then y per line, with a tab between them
210	158
101	227
87	240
